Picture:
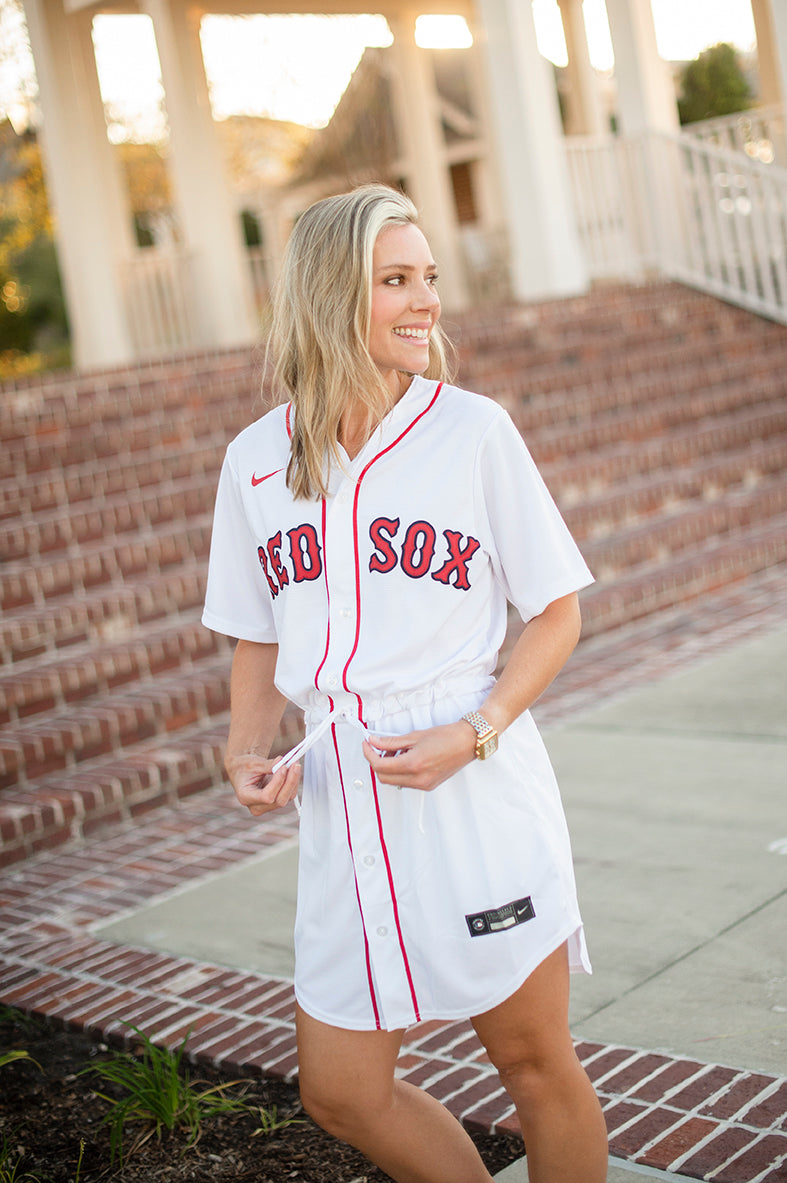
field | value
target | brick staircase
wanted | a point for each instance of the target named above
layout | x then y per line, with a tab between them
657	416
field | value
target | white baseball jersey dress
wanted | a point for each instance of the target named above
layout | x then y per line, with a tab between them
388	602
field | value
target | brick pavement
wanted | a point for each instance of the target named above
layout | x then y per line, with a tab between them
700	1120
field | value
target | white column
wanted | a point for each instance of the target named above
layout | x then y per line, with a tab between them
93	222
211	228
419	130
584	116
546	257
770	23
646	94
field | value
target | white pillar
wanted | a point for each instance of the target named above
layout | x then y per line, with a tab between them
419	130
584	116
546	257
93	221
211	228
770	23
646	93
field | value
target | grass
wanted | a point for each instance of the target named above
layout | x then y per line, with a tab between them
159	1096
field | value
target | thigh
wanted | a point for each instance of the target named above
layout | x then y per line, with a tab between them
531	1026
346	1067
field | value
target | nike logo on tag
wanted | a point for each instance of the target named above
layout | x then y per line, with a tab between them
257	480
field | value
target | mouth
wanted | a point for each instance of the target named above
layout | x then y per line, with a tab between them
408	334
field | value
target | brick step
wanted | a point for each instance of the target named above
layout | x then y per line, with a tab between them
101	614
72	485
108	562
572	477
47	402
86	671
112	790
77	444
521	368
106	724
564	396
661	585
571	444
716	563
599	510
115	517
669	536
606	310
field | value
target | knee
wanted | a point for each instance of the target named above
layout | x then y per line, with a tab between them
340	1112
534	1077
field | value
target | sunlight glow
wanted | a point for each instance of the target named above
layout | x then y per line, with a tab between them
442	32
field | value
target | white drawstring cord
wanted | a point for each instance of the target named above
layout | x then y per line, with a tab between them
311	737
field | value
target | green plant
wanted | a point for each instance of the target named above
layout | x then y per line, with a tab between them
159	1095
270	1122
9	1171
11	1057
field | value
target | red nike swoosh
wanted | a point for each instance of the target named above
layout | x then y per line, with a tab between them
257	480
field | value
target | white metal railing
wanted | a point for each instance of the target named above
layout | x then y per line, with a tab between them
160	298
760	132
711	217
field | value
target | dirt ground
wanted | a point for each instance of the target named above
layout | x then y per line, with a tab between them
49	1115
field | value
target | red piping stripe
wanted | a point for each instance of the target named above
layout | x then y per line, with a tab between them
392	888
357	889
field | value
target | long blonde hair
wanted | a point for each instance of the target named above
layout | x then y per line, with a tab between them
320	326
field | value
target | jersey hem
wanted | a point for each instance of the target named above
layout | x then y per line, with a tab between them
577	964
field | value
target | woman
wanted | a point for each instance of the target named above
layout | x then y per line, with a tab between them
367	537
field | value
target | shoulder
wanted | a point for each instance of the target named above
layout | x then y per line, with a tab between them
266	438
476	410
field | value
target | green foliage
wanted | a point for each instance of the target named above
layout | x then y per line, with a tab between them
11	1057
713	84
270	1122
158	1095
10	1167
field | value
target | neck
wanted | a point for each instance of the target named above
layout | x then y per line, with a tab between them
355	425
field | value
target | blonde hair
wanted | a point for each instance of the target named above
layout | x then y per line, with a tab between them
320	326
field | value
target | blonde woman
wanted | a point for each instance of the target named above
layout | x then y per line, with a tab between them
368	534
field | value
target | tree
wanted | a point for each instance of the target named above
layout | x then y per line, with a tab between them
713	84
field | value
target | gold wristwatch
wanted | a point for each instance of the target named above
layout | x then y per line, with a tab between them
486	736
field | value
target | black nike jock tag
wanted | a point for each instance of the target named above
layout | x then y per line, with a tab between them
497	919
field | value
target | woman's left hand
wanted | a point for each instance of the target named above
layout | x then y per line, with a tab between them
421	759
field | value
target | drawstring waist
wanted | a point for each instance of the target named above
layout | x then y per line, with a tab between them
378	709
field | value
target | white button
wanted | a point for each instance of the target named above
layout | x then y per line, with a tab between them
332	680
382	931
345	612
357	784
343	497
369	860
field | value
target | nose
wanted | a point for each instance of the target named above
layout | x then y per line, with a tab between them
425	296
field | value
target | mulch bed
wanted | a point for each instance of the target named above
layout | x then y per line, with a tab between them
49	1114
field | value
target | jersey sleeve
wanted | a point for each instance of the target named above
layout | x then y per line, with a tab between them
237	600
533	555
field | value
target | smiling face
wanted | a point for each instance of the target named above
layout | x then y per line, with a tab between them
405	304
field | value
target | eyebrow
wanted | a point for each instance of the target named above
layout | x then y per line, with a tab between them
405	267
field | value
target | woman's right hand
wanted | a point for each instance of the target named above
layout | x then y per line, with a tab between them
257	786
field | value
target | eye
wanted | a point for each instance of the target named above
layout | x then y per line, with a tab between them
394	281
432	278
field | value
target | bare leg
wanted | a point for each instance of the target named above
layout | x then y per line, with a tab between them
528	1041
348	1086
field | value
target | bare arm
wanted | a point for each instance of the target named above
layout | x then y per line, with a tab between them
429	757
256	708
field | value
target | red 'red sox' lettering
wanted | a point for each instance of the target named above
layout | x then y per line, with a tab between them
419	554
418	551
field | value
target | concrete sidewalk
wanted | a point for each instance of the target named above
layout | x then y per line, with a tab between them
675	796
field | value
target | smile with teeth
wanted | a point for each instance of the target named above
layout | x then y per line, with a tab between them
415	334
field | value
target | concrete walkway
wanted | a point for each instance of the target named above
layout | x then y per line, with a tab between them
675	795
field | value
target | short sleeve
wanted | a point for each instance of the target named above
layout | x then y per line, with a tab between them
237	600
533	555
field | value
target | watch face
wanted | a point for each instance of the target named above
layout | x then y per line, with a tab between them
486	747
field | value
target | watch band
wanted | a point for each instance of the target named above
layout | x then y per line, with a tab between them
486	736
